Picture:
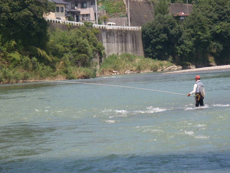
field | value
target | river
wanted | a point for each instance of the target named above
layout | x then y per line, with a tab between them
95	126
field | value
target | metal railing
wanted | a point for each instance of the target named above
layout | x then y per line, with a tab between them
64	22
117	27
94	25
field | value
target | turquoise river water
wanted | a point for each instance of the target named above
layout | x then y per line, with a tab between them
95	126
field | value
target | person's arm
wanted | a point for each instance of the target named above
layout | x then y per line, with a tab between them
194	90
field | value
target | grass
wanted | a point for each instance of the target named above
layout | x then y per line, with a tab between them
112	8
127	62
32	70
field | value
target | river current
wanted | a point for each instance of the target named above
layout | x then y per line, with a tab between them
94	126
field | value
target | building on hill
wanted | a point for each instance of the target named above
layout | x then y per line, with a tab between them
60	10
139	12
86	8
180	11
74	10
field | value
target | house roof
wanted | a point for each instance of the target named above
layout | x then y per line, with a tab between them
179	9
181	14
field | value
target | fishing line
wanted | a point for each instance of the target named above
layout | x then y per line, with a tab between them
120	86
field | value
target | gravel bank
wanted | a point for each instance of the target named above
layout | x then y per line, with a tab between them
223	67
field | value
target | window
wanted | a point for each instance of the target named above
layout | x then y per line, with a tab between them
62	9
92	3
72	5
84	5
85	17
76	4
57	9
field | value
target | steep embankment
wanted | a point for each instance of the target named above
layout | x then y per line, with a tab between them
141	12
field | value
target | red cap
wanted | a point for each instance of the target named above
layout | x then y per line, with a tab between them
197	77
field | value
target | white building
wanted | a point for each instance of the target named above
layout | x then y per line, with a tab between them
74	10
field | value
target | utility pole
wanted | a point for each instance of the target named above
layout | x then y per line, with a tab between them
96	12
128	14
187	6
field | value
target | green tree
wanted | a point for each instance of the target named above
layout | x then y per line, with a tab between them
161	7
184	1
194	44
79	46
160	37
218	14
23	22
207	33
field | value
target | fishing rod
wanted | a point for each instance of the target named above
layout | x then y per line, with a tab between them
120	86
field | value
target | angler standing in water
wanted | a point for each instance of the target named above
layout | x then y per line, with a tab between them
199	92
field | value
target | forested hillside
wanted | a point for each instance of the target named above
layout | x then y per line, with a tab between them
202	39
29	51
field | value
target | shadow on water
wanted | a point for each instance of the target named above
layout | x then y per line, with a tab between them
23	145
187	162
18	142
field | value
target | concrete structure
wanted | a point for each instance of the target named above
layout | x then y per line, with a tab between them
74	10
141	12
115	39
120	21
122	41
137	28
86	9
60	10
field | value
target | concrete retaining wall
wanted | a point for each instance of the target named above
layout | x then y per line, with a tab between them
122	41
115	41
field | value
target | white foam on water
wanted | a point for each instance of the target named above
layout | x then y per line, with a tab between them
110	121
201	137
36	110
220	105
189	108
200	125
151	110
196	108
191	133
152	130
121	111
124	113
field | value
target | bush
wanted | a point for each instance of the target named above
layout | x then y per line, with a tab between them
130	62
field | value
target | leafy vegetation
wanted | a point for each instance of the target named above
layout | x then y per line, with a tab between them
28	51
131	63
113	7
160	37
202	39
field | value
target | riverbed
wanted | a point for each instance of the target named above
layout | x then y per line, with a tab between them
126	123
